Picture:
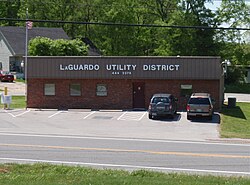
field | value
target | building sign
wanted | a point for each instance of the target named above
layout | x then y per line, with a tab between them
124	67
119	69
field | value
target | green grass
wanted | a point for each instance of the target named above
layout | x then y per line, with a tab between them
17	102
238	88
40	174
20	80
236	121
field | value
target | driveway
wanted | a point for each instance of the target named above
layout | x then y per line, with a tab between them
239	97
15	88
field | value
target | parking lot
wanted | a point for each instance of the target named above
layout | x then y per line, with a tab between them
108	123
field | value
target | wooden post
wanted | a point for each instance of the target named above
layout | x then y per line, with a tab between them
5	93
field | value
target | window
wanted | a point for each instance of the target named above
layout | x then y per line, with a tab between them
160	99
186	90
101	90
49	90
75	90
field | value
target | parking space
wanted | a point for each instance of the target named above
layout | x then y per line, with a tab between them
131	124
81	115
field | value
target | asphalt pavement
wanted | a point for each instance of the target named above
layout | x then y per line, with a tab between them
129	154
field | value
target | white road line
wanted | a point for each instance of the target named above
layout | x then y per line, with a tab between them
121	116
58	112
89	114
122	139
126	166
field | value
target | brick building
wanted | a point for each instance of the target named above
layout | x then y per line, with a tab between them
119	82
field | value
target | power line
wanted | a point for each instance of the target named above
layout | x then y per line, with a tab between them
126	24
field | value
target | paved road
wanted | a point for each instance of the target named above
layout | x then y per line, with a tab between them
130	154
239	97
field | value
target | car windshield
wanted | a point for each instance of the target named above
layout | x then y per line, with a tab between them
202	101
160	99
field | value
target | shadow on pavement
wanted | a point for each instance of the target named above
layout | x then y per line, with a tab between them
177	117
215	120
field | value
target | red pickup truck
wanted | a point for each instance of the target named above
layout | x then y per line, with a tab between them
6	76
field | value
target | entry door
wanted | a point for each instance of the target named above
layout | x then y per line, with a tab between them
138	95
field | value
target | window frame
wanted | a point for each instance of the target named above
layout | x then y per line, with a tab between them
76	94
52	86
101	90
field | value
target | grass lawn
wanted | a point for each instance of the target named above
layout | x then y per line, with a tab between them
40	174
17	102
235	122
20	80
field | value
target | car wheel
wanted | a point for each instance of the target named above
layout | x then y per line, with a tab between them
171	116
189	117
210	117
150	116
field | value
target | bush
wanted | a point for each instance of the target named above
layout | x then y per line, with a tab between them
235	75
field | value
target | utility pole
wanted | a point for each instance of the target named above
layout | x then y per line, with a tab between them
26	55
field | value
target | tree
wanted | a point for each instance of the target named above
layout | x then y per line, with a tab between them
9	9
42	46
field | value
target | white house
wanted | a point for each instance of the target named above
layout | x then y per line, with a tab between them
12	44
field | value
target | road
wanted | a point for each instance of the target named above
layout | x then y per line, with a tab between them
120	140
130	154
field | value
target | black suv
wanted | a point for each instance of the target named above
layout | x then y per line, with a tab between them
162	105
200	104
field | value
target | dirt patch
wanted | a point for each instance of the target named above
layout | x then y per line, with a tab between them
2	170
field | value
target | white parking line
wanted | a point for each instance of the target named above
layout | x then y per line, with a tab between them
135	116
10	114
143	115
22	113
121	115
17	114
89	114
55	114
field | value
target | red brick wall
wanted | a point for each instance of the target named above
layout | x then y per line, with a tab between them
120	95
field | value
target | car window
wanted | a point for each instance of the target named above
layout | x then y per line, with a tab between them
202	101
160	99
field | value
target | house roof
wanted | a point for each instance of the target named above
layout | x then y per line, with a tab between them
15	36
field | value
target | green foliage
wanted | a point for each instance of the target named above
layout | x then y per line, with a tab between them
41	46
141	41
243	88
9	10
235	75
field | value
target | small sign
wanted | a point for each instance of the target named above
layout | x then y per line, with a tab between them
6	99
186	87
